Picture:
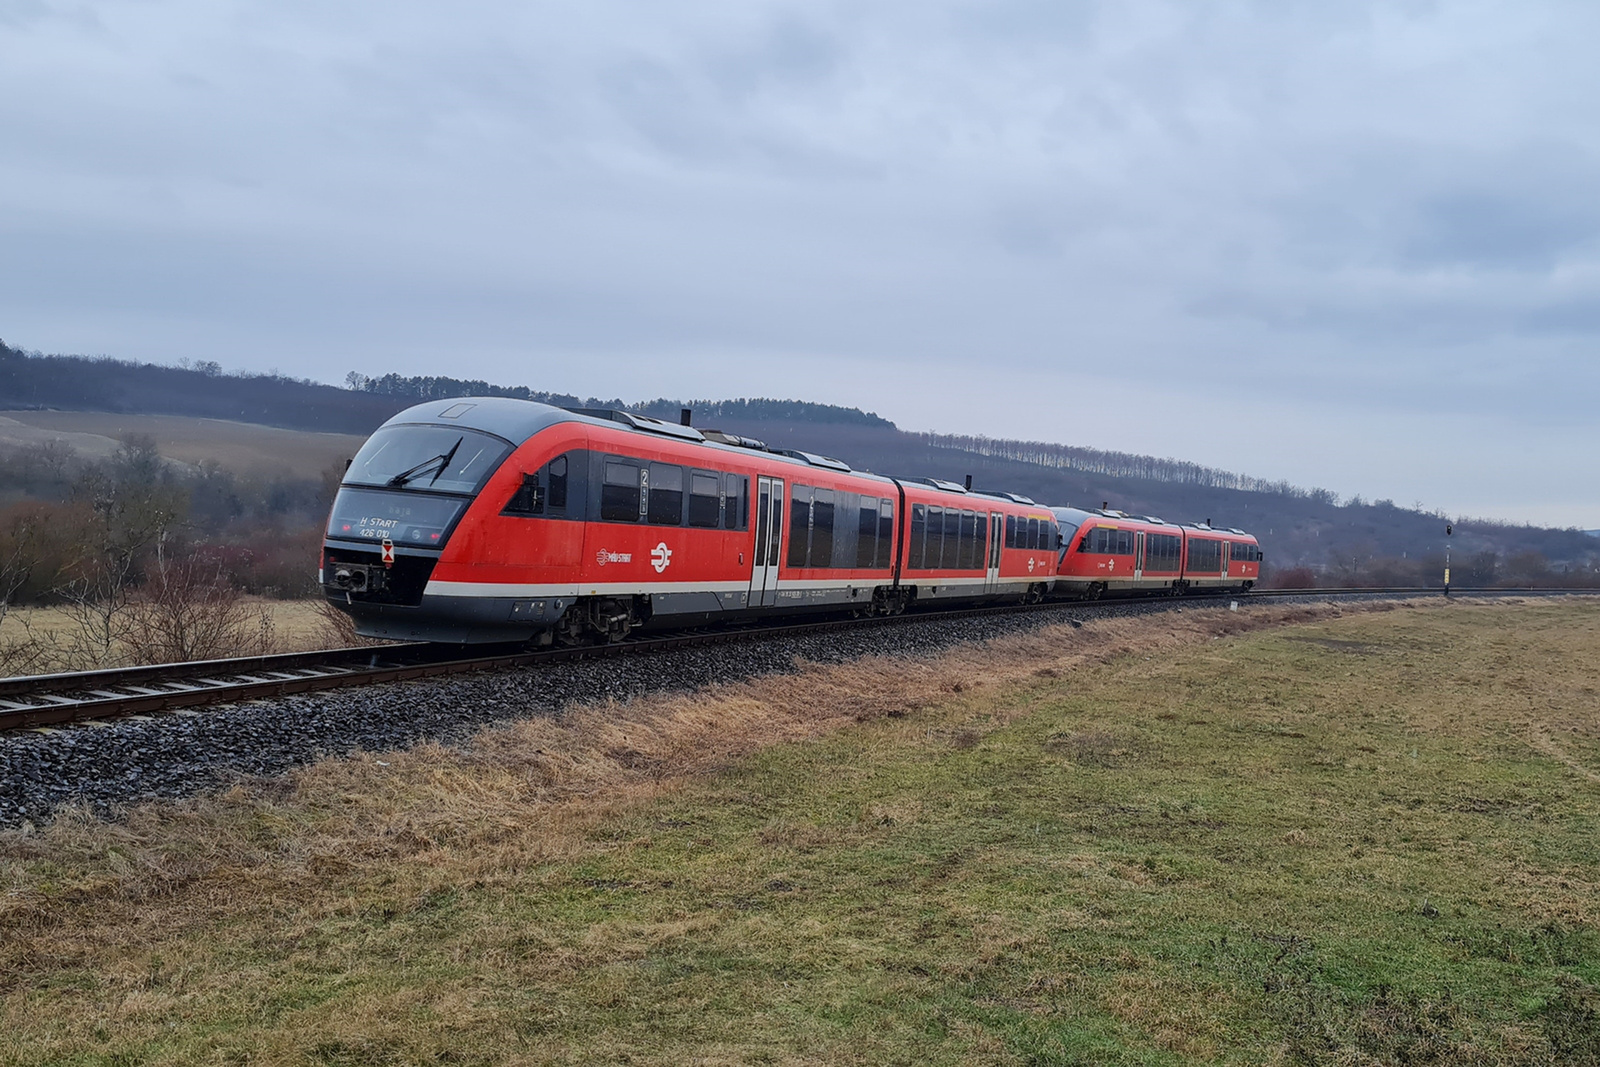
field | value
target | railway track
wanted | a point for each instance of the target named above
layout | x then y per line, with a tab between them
54	699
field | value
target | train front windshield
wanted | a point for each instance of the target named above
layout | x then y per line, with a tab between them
440	459
409	484
1069	520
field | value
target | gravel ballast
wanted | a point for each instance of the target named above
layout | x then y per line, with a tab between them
109	764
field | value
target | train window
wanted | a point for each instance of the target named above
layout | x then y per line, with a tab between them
1165	551
1205	554
527	499
775	531
971	541
1030	537
705	504
885	534
822	529
933	554
799	525
620	497
952	539
1011	531
867	534
919	525
762	507
666	494
844	541
738	508
558	483
543	492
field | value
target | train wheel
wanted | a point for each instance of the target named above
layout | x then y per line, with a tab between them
613	619
572	628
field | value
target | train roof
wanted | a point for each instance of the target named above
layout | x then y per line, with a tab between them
517	420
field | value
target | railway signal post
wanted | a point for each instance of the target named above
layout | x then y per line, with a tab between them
1448	527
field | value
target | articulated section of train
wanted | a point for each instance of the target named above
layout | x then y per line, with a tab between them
488	519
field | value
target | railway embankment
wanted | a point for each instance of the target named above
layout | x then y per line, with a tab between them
1291	833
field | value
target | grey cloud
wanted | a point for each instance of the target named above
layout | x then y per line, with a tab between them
1389	206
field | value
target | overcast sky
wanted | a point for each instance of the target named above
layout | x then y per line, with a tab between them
1349	244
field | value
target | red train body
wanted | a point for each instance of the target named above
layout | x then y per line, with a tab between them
490	519
1112	552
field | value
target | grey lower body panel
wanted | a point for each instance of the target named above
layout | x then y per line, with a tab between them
451	620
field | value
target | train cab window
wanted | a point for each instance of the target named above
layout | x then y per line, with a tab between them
621	493
543	492
885	534
527	500
919	526
799	525
705	500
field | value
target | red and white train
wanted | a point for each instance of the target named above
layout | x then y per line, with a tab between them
1112	552
492	520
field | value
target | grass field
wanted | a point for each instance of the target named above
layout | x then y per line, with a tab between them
288	626
241	447
1300	836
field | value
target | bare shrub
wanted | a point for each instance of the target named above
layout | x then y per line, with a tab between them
336	629
1291	578
188	610
95	604
31	653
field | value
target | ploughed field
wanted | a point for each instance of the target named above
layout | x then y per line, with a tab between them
1287	834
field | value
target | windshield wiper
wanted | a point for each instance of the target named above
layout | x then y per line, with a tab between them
442	459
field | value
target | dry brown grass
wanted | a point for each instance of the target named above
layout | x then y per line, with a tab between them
273	626
538	787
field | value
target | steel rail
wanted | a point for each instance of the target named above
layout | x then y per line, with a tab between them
53	699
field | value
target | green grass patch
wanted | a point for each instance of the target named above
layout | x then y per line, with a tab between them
1366	840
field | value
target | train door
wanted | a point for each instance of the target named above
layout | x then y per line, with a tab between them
769	542
991	581
1138	555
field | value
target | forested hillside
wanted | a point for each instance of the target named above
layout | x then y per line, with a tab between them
1306	531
